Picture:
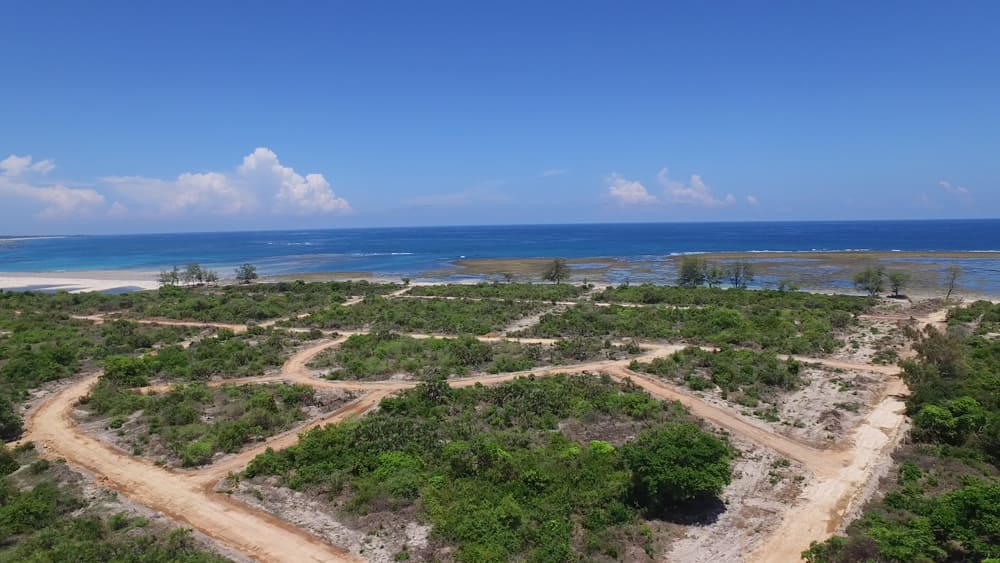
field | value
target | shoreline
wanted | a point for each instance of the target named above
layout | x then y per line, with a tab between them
823	271
79	281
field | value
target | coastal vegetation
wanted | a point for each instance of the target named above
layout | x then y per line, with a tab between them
495	476
794	330
246	273
943	502
193	273
451	316
743	376
649	294
694	271
223	354
190	423
556	272
370	356
526	291
44	516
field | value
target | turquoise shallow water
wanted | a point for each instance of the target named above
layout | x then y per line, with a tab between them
414	251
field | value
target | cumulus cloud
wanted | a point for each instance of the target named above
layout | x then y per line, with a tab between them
14	166
57	200
696	192
628	192
956	190
309	194
261	181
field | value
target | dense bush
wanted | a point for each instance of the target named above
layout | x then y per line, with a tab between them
791	331
701	296
528	291
177	419
49	522
370	356
752	375
494	475
458	316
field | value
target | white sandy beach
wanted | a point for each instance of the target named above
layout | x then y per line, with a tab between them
77	282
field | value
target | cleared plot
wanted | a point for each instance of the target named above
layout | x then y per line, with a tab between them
701	296
381	355
445	316
528	291
190	424
809	402
802	331
536	469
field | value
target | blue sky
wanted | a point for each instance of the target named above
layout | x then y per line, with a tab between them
163	116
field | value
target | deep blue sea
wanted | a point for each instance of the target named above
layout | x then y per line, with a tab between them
414	251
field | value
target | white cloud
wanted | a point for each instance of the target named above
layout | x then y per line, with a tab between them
960	191
694	193
628	192
209	192
14	166
752	200
311	194
553	172
261	181
58	200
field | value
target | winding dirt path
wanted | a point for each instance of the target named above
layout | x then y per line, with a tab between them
840	473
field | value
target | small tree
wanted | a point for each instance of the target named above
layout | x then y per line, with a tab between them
406	282
897	281
192	274
953	272
739	274
870	280
557	271
676	464
170	277
11	426
210	276
691	272
246	273
508	277
714	275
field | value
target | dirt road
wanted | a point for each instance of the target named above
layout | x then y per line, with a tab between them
839	473
181	496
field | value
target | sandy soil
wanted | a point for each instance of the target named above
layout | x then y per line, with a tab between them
78	282
764	485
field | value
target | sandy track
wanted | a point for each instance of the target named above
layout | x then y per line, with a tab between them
181	496
840	473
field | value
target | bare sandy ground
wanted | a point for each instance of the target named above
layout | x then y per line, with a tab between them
78	282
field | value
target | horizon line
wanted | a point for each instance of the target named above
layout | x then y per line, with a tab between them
488	225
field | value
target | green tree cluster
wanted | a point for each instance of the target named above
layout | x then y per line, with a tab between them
495	477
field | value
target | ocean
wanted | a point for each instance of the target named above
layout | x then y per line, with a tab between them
415	251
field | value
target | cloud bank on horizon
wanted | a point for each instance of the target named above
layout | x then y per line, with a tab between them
261	184
695	193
